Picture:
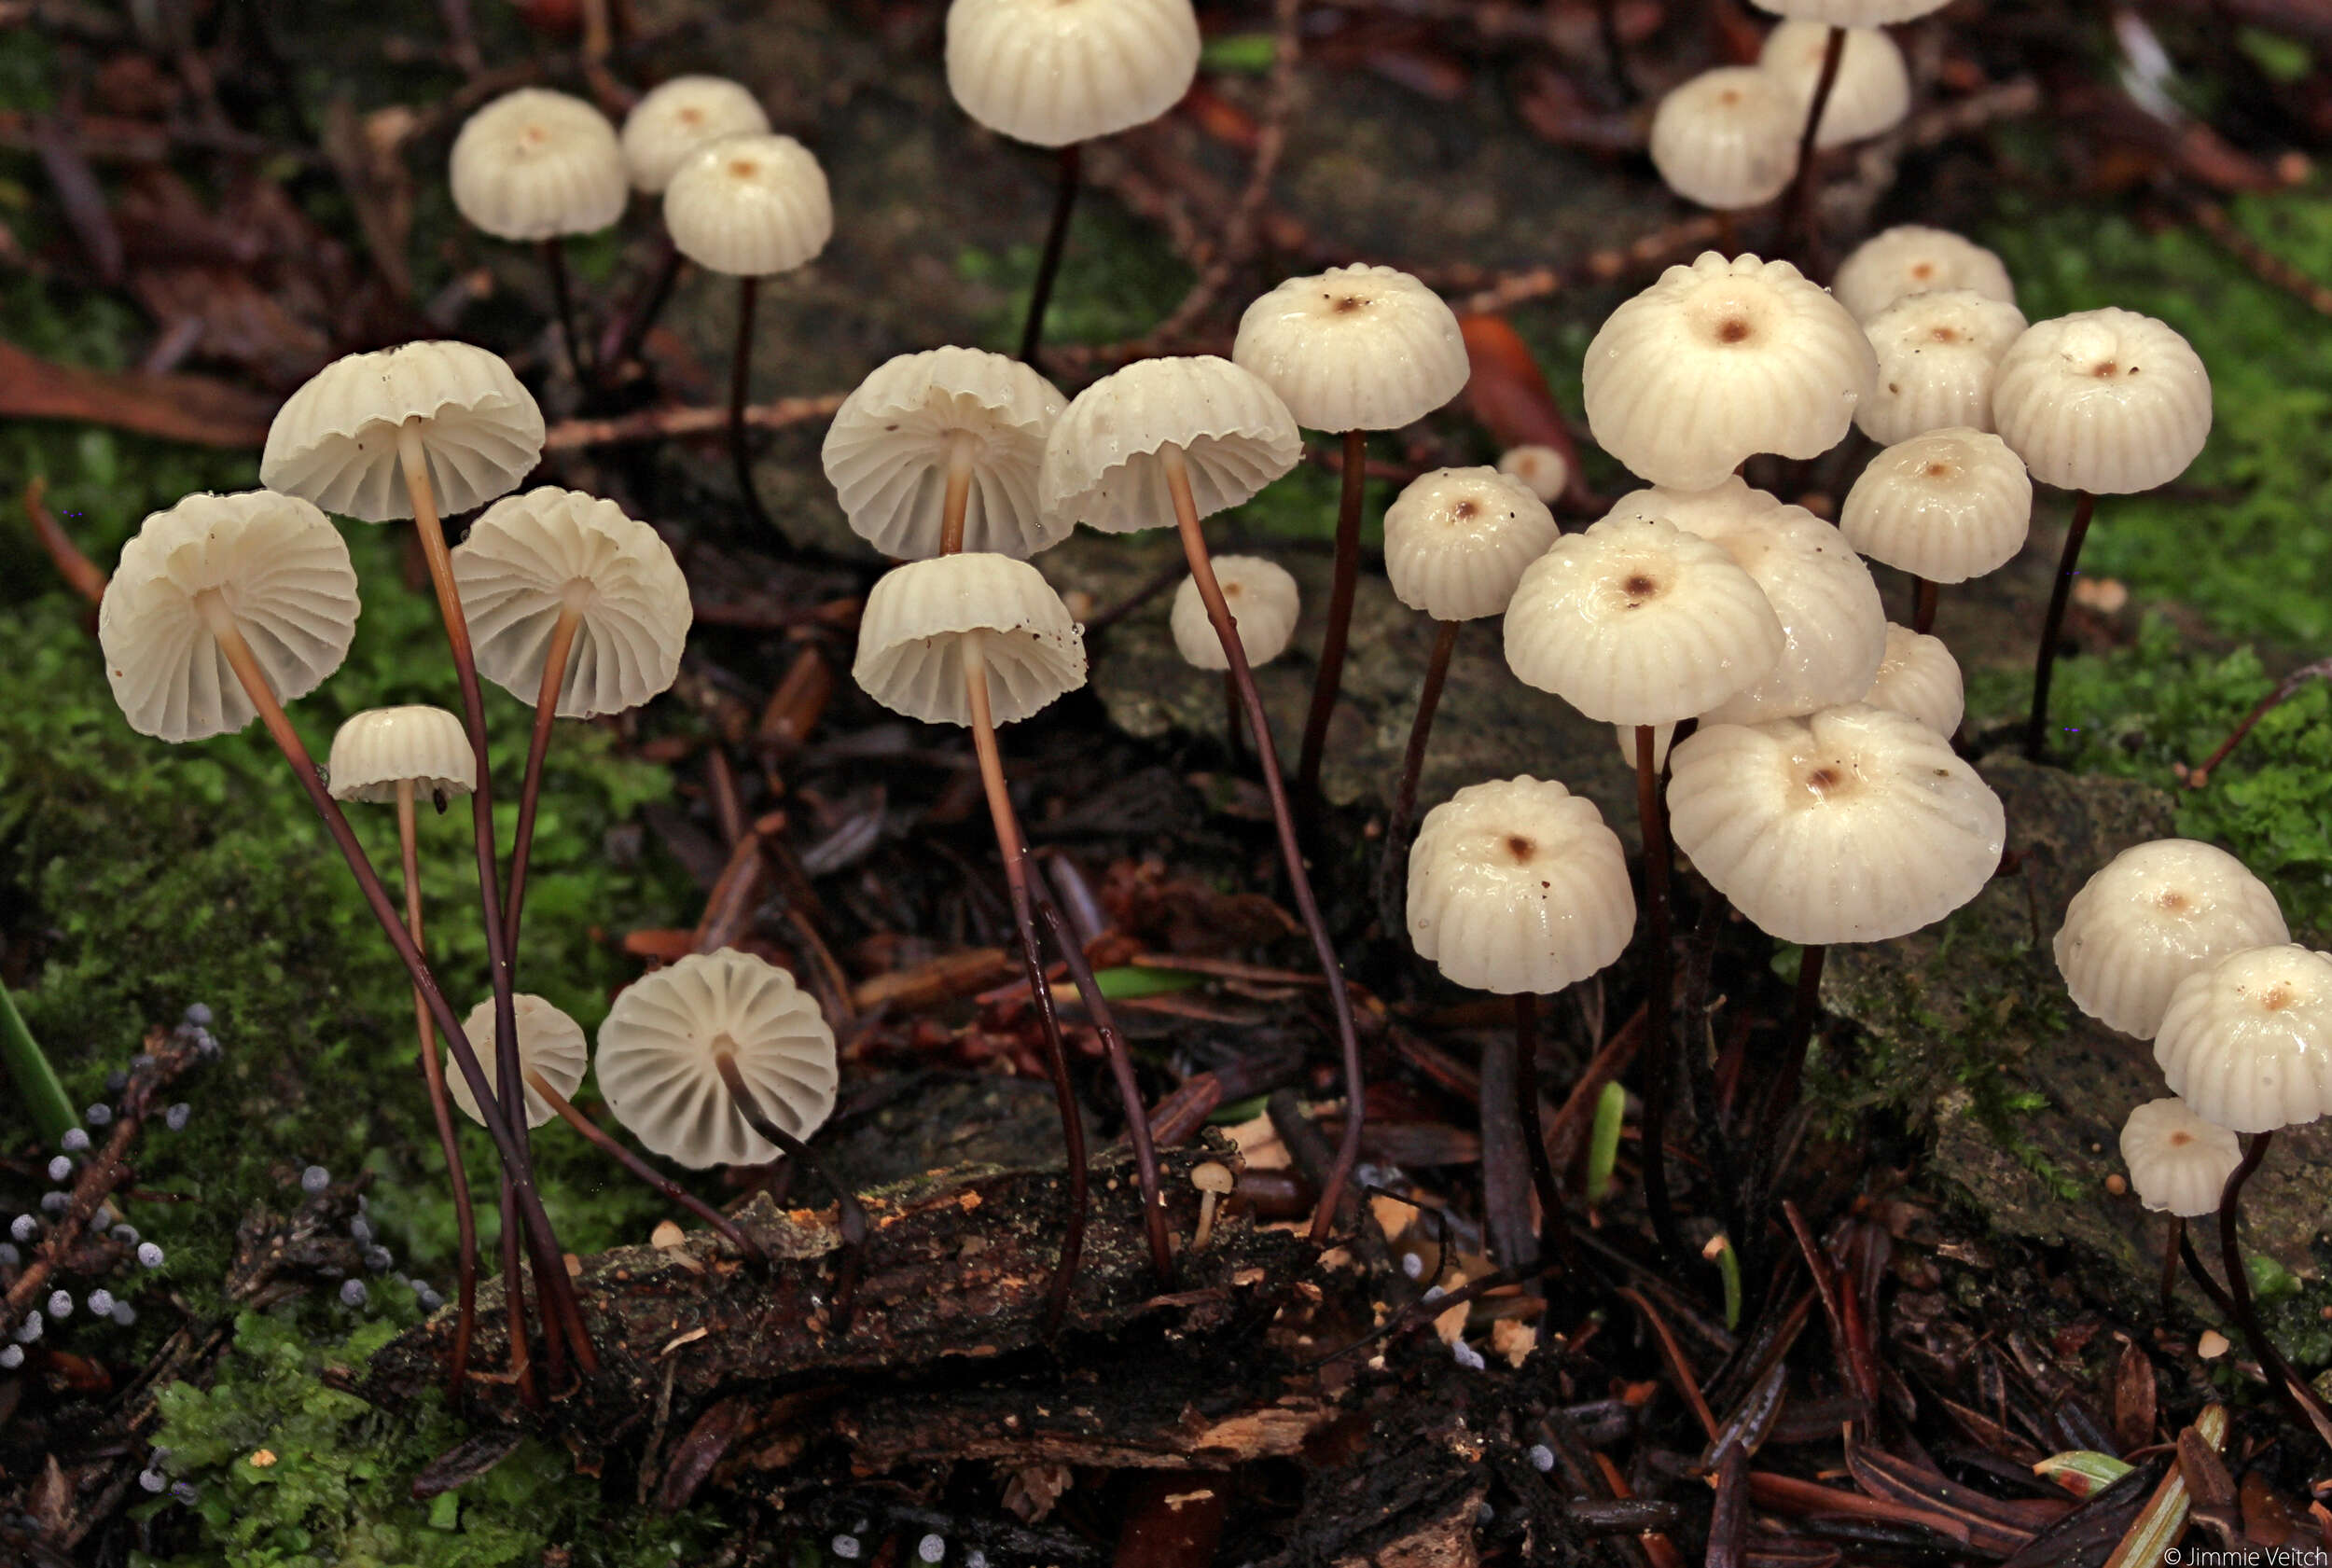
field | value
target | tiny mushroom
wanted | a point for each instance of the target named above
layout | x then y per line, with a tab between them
1946	506
2154	915
1938	355
536	164
1056	72
551	1044
1544	472
1920	677
2247	1043
1916	260
1214	1182
675	119
381	754
2178	1163
2106	401
1728	138
1264	605
929	624
1458	540
1873	90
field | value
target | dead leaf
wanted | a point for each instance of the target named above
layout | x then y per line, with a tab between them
196	408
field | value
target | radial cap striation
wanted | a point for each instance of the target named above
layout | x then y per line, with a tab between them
1518	886
1263	603
1355	347
2153	915
911	639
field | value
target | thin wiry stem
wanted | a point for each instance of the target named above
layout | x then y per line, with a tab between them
538	745
850	1216
2052	624
1805	217
1658	1059
672	1191
1343	585
1066	173
441	1110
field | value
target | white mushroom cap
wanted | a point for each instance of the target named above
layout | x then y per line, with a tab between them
531	555
1101	460
1636	621
1920	677
1517	886
1938	353
283	572
1913	258
334	440
1263	603
658	1050
1948	505
549	1043
1718	509
1542	470
749	206
1456	541
1853	824
2153	915
1873	90
2107	401
1728	138
1720	360
2247	1043
2178	1163
889	448
1832	621
675	119
382	748
1852	13
1355	347
1053	72
910	653
536	164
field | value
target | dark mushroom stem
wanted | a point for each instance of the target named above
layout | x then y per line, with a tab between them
2293	1389
563	1313
1389	881
1507	1177
620	344
562	297
1615	50
1924	595
663	1186
441	1110
1346	582
850	1217
739	381
1067	176
1291	852
555	660
1805	220
1805	1009
1552	1221
2052	627
2182	1248
1659	1065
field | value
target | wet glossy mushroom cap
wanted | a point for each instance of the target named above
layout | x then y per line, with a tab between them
536	164
1719	361
2178	1163
549	1043
1920	677
2107	401
1938	354
2153	915
1727	138
1833	625
676	119
1542	470
1355	347
660	1049
749	206
888	451
1518	886
1873	90
531	555
382	748
1053	72
1636	621
1852	825
910	637
1852	13
1263	603
1457	540
277	565
1102	465
1913	258
1723	506
335	441
1947	506
2247	1043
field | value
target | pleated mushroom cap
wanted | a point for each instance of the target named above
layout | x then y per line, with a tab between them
1457	540
1833	625
1263	602
1937	357
749	206
1053	72
675	119
275	564
1542	470
1947	506
1101	463
1852	13
659	1049
2107	401
1728	138
1518	886
536	164
382	748
334	440
549	1043
1636	621
1717	509
1721	360
2153	915
2178	1163
1873	90
531	555
1912	259
1920	677
910	639
1355	347
1853	824
2247	1043
888	450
